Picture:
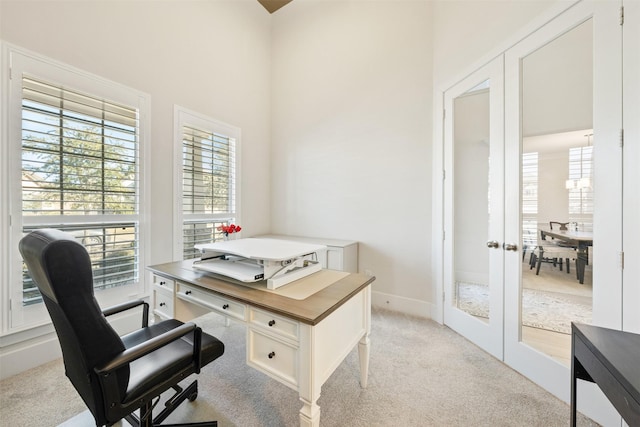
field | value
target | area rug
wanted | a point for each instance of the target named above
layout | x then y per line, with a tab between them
540	309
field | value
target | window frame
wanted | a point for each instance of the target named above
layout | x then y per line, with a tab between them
182	117
20	61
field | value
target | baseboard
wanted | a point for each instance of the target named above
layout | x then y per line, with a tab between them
405	305
28	354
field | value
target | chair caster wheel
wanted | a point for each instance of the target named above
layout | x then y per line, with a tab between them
192	397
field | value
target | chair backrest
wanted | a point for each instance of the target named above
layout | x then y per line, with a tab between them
561	225
61	268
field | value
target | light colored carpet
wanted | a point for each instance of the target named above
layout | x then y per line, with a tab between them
551	311
421	374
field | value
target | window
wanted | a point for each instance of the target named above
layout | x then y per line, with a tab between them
529	197
581	188
208	186
78	159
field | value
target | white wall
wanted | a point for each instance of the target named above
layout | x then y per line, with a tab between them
351	127
351	135
343	89
347	104
212	57
468	32
557	92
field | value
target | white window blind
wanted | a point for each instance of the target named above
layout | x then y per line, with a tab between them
581	194
208	181
195	232
80	173
529	197
208	167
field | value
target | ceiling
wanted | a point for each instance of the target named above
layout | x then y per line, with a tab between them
273	5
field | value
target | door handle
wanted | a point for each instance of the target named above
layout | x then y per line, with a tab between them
493	244
510	247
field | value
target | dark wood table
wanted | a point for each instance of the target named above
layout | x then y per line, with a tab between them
581	240
611	359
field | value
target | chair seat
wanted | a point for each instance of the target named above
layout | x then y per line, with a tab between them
158	366
553	250
551	254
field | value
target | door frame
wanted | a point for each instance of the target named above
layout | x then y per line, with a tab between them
631	192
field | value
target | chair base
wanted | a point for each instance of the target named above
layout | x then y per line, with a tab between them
146	418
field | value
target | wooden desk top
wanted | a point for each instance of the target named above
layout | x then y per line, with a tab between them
310	310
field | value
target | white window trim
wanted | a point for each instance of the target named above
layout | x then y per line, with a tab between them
14	61
183	116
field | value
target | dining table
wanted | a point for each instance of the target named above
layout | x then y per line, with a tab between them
581	240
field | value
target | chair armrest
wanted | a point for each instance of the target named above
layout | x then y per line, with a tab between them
119	308
142	349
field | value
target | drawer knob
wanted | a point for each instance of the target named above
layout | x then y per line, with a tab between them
224	307
163	283
272	355
187	293
162	304
272	322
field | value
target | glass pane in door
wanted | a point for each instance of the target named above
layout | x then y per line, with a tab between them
471	213
556	191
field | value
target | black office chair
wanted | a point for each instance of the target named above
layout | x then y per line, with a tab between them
115	376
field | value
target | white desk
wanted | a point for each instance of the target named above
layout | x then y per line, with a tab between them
298	340
340	254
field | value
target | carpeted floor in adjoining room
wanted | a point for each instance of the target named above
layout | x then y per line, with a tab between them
421	374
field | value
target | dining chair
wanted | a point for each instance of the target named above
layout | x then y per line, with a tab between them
553	251
562	226
529	242
552	254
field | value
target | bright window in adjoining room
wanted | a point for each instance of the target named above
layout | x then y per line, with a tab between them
208	183
581	190
529	197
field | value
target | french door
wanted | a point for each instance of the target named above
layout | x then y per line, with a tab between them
591	28
489	118
474	206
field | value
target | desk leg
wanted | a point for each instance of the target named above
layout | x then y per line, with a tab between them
363	353
364	344
309	414
325	345
309	382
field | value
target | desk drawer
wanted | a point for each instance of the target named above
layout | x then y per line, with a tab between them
273	357
163	303
212	301
274	324
163	283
